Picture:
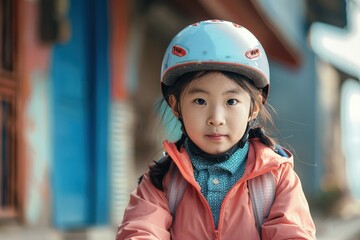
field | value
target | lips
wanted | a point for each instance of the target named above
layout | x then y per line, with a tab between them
215	136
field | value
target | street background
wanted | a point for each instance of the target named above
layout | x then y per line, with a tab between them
80	79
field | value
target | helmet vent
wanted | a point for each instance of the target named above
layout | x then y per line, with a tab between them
178	51
253	53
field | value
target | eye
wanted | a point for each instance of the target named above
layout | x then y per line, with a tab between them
200	101
232	102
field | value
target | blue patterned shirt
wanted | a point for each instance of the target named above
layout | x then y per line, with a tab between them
217	178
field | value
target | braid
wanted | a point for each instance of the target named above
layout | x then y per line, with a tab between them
159	168
259	133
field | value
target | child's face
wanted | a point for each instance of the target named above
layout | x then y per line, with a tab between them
215	111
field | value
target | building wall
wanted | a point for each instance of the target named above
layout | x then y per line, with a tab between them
80	89
57	77
36	123
294	94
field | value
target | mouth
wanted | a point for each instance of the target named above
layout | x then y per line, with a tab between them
216	137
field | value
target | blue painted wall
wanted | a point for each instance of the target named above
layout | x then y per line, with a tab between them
80	100
102	98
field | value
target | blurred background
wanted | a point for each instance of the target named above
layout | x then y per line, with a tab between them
79	81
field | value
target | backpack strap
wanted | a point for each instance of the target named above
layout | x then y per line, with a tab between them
262	195
175	188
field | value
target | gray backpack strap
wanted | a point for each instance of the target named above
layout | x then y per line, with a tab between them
262	195
175	189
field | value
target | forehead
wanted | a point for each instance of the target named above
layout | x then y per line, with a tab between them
214	82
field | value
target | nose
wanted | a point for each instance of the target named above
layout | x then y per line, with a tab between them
216	117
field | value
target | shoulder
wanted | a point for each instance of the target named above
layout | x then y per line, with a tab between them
278	161
263	159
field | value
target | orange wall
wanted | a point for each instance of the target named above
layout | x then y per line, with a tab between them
118	42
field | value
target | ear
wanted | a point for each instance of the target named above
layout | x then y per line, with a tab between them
255	112
174	106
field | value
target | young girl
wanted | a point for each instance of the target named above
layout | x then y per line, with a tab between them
215	78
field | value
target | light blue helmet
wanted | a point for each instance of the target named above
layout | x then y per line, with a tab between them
216	45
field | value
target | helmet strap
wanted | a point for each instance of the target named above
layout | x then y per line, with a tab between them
183	127
245	137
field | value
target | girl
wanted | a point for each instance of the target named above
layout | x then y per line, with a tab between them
215	78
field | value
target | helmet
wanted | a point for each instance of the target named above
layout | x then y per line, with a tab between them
216	45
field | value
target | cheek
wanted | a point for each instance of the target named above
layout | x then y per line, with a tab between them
239	123
191	119
186	110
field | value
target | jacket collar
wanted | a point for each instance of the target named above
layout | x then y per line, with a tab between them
261	159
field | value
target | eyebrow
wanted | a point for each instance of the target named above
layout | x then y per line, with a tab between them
197	90
234	90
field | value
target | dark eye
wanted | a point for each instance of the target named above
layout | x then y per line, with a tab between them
232	102
200	101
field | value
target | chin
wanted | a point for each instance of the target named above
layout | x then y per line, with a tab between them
217	152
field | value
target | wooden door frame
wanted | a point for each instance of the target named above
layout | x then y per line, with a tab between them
10	88
20	146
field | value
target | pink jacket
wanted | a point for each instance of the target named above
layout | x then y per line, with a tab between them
147	215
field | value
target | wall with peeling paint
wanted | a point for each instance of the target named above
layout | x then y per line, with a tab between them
36	122
65	94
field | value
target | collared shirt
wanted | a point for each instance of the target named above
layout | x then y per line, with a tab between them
217	178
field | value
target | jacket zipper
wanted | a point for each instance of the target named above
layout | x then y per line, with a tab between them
204	201
216	234
202	198
207	206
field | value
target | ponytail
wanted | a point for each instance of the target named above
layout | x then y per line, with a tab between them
259	133
159	168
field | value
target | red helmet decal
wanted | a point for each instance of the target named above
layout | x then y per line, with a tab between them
178	51
237	25
253	53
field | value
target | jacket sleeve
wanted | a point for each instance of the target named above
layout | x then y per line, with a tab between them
147	216
289	217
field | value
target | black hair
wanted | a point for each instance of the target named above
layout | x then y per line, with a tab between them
256	127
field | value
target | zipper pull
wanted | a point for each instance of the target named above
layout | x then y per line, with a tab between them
216	234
